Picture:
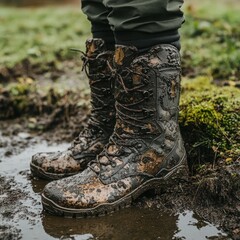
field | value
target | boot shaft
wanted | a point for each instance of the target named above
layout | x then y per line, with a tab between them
147	91
146	141
96	63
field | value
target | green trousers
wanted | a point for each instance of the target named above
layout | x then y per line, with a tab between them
135	22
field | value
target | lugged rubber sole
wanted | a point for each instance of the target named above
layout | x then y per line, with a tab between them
157	184
39	172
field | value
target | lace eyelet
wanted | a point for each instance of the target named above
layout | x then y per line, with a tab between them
139	145
146	94
103	176
113	164
96	169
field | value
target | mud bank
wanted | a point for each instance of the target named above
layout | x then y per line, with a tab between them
196	208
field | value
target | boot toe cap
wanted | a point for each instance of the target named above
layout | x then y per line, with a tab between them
39	158
83	192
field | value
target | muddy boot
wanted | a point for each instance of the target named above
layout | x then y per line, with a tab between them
90	142
146	149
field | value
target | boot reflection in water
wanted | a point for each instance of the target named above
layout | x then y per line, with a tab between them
145	150
123	225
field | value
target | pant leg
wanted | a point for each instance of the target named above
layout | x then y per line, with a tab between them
144	23
97	14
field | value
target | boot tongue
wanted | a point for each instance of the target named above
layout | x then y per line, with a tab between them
124	55
95	46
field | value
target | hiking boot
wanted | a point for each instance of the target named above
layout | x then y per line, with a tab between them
90	142
146	150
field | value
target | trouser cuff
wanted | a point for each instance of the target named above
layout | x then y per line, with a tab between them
143	40
104	32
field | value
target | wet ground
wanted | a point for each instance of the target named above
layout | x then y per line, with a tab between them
21	213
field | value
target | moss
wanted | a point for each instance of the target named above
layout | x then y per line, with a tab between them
210	119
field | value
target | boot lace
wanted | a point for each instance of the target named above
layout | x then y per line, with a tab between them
132	114
101	96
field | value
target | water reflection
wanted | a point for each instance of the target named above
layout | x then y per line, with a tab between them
191	227
132	223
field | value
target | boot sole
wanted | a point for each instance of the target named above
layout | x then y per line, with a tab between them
180	173
39	172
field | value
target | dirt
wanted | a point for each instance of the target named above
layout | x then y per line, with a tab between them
207	205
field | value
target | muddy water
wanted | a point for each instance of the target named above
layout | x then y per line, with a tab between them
25	213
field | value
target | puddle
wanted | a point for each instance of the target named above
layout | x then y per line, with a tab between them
131	223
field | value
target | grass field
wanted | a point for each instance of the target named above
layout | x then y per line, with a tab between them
210	37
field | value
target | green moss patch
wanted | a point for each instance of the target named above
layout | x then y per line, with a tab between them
210	120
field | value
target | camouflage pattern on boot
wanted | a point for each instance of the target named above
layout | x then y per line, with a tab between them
146	149
90	142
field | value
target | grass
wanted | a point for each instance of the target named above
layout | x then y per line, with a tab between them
210	37
210	40
40	35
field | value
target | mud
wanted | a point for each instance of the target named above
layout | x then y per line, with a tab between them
179	213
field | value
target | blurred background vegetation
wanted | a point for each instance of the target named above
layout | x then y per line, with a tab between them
210	36
35	42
